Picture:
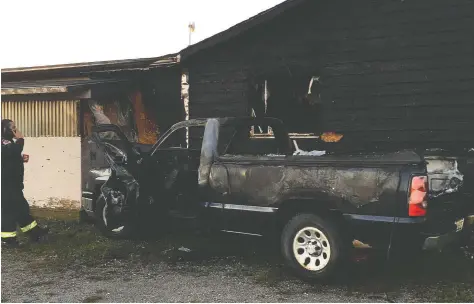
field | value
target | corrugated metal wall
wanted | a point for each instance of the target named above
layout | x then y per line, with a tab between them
43	118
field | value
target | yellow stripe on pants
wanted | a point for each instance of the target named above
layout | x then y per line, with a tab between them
8	234
29	227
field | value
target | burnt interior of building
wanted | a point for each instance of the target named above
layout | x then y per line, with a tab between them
144	108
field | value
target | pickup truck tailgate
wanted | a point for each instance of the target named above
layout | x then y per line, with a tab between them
451	182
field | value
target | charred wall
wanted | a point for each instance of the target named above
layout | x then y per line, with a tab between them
161	88
393	74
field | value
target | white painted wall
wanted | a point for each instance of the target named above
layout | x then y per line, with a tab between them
53	174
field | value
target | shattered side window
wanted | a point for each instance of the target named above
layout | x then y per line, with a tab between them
177	139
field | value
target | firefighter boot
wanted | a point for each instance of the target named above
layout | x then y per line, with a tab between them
11	242
38	234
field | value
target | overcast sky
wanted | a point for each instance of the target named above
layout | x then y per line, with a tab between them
43	32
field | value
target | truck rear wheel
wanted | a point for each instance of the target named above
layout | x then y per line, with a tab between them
312	247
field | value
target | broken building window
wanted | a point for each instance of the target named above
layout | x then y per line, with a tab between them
118	112
239	141
294	99
129	112
145	119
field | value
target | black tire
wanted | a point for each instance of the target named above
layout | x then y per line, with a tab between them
126	232
330	260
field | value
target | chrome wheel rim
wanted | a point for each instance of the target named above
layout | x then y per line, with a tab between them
311	248
104	218
104	214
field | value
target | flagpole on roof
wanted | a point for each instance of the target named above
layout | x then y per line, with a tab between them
191	28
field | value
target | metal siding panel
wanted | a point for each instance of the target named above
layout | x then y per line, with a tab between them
62	118
43	118
73	120
54	119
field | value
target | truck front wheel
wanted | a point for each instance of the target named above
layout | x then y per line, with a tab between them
312	247
123	230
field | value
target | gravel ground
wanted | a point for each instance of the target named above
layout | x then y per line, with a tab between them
78	265
120	282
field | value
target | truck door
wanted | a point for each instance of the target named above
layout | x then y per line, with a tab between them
121	190
176	165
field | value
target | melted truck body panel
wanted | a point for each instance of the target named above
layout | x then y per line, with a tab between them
268	183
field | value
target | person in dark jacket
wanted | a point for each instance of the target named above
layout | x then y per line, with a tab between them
15	208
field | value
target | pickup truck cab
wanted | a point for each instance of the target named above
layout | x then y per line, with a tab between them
213	170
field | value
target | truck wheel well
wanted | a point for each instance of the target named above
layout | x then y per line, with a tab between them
290	208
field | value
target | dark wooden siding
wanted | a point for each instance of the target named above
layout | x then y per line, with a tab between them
161	89
394	73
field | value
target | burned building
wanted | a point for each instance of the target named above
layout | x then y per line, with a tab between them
56	106
385	74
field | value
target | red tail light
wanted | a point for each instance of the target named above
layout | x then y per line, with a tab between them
418	196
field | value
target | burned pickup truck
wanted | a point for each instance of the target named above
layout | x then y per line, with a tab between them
213	170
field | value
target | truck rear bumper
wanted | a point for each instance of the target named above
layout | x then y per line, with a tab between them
439	242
